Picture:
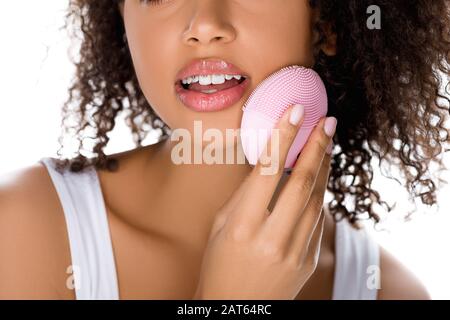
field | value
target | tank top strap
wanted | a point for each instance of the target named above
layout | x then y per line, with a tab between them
93	266
357	267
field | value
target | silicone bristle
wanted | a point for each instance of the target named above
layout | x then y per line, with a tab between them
290	85
268	102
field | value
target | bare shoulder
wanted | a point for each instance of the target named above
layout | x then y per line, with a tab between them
34	249
397	282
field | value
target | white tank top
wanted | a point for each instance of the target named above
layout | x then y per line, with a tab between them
93	265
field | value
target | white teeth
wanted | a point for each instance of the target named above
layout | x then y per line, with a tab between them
190	80
218	79
205	80
210	79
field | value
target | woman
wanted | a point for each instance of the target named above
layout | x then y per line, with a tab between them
136	225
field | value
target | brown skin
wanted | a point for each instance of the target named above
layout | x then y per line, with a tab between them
167	237
147	28
32	219
407	53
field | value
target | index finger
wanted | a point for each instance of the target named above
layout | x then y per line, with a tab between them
260	187
296	194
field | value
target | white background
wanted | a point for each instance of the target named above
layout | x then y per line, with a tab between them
35	73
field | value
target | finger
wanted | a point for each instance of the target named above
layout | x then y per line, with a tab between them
263	179
309	219
313	249
296	193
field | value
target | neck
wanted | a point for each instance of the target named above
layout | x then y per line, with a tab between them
190	194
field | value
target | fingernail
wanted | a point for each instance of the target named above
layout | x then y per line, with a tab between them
329	148
296	115
330	126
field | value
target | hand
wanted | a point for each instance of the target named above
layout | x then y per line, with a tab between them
256	254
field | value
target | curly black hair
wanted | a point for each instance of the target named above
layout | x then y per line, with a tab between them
385	87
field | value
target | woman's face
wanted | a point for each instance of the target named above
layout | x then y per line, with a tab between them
258	36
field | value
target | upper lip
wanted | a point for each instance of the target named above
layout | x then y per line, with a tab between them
201	67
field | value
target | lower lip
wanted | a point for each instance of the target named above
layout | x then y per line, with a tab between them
204	102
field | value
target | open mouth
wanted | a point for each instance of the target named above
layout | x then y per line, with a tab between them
212	88
211	97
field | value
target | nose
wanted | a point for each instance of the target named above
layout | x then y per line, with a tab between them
209	24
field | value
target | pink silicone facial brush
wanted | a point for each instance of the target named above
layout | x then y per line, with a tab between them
271	98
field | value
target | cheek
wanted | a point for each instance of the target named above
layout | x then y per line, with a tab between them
281	38
153	64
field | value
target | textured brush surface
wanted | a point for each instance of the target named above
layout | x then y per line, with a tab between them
288	86
268	102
